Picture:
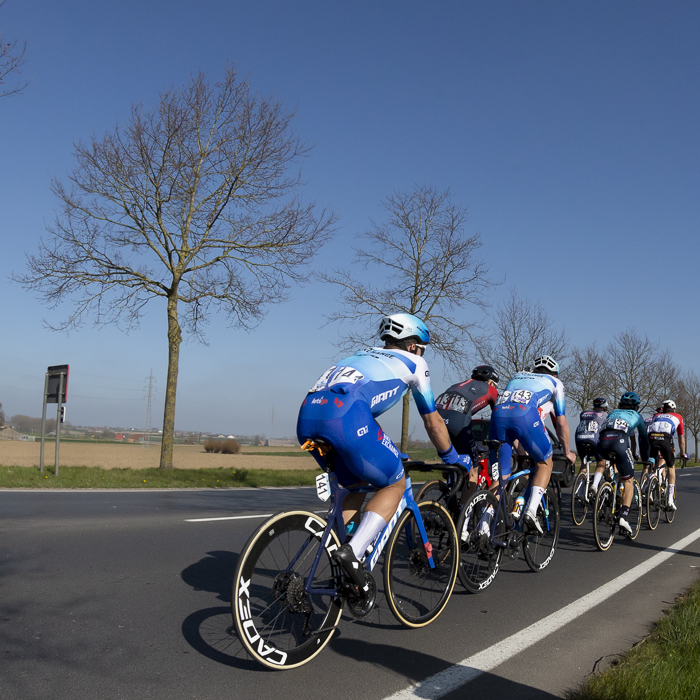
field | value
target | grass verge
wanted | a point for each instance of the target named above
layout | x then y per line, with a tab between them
95	477
664	666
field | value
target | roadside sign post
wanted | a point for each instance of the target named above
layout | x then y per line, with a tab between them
55	391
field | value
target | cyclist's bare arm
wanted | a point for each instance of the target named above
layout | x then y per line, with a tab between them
561	427
437	431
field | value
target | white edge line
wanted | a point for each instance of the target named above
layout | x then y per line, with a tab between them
468	669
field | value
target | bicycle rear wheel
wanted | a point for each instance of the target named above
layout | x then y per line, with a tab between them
635	515
279	624
539	549
653	501
435	490
479	558
579	504
668	511
417	594
603	518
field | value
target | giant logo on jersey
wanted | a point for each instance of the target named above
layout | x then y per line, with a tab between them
383	396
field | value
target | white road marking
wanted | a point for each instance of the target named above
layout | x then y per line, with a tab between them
229	517
239	517
470	668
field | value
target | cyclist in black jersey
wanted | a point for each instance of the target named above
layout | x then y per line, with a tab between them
458	404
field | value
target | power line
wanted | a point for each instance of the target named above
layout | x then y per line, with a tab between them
147	426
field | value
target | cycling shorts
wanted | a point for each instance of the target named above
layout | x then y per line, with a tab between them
510	422
615	446
459	426
363	451
662	444
588	448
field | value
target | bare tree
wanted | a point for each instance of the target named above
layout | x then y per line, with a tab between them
11	61
636	364
427	265
191	203
2	416
688	400
522	332
584	376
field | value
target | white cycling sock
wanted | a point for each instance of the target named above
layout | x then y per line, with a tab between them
671	490
371	525
535	499
596	480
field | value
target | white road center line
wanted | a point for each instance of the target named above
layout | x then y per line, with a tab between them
229	517
468	669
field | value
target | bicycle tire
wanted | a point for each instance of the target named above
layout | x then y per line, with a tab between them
603	519
669	513
435	490
539	549
415	593
635	514
479	559
653	501
278	555
579	505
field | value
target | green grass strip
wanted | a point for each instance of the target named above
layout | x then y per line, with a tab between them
664	666
95	477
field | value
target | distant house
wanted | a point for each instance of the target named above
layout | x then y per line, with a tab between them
119	436
7	433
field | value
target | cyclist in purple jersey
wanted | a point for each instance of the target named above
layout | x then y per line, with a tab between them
590	424
340	409
517	417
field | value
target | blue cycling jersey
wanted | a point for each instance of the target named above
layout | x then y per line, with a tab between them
626	420
531	389
380	377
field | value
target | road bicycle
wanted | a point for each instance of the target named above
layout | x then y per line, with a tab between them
289	593
581	490
655	492
481	553
448	493
606	511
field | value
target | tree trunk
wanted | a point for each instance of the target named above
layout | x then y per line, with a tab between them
174	340
404	422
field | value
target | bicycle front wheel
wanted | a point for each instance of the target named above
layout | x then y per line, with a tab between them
635	515
415	592
539	549
479	558
579	496
280	624
653	501
603	518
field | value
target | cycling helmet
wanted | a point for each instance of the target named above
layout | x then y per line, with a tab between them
671	405
485	372
630	400
546	362
400	326
601	403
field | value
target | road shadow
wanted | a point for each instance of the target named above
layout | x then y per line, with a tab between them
418	667
213	573
210	632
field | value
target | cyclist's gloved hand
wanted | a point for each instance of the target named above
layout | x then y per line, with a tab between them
404	457
449	456
636	456
652	461
465	461
685	456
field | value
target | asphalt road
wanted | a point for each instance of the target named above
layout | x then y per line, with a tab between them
118	595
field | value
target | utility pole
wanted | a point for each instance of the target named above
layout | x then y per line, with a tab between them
149	399
272	424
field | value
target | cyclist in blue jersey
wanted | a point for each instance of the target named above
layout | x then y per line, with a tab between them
615	441
341	408
519	415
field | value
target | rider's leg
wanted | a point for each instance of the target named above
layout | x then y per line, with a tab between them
352	503
598	475
538	484
469	488
377	514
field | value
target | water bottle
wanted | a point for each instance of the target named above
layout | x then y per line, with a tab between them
518	508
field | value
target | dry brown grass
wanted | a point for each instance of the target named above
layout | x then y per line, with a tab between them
115	456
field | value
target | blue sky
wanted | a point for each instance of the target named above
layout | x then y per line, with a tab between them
569	130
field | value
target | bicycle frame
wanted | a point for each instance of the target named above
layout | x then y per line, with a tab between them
328	483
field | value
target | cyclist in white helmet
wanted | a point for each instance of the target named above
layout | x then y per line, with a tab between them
341	408
664	425
517	416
